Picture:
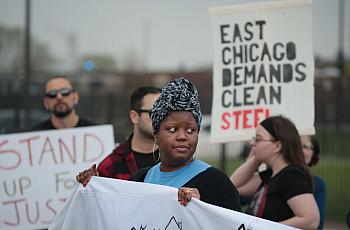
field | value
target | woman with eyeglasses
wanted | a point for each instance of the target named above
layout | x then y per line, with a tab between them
282	191
311	150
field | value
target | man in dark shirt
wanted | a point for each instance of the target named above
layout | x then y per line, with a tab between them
139	150
60	100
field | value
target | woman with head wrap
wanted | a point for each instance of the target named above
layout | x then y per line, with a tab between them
176	118
281	192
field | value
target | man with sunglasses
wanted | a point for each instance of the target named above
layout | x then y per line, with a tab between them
60	100
139	150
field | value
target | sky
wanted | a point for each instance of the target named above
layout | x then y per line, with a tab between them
158	35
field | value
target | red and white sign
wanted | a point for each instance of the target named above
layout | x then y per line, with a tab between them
37	171
263	66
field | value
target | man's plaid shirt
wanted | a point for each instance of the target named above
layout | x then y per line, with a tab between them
120	164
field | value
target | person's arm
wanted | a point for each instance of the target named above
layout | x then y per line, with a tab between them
320	197
245	178
304	218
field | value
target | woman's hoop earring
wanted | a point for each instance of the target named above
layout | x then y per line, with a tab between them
153	150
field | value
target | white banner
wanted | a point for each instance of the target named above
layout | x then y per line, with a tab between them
116	204
37	171
263	66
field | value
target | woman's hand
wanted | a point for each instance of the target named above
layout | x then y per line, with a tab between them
84	176
185	194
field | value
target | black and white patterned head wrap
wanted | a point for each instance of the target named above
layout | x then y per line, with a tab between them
178	95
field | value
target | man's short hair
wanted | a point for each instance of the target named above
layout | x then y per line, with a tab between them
139	93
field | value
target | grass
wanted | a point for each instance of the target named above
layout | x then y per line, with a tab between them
334	143
336	174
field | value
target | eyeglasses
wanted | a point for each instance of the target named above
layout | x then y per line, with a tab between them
256	140
64	92
308	147
149	111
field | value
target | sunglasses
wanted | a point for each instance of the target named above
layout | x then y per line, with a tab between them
64	92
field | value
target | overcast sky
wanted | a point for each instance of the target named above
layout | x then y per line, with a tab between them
161	34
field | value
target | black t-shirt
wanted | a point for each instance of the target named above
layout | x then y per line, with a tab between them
144	160
270	202
47	125
214	187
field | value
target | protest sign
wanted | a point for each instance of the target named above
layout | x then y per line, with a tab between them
263	66
37	171
116	204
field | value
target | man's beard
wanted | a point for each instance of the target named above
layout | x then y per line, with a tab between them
63	113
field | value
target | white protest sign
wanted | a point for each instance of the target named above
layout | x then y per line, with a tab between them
38	169
116	204
263	66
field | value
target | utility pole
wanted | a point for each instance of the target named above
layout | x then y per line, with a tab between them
27	67
341	30
341	66
146	30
